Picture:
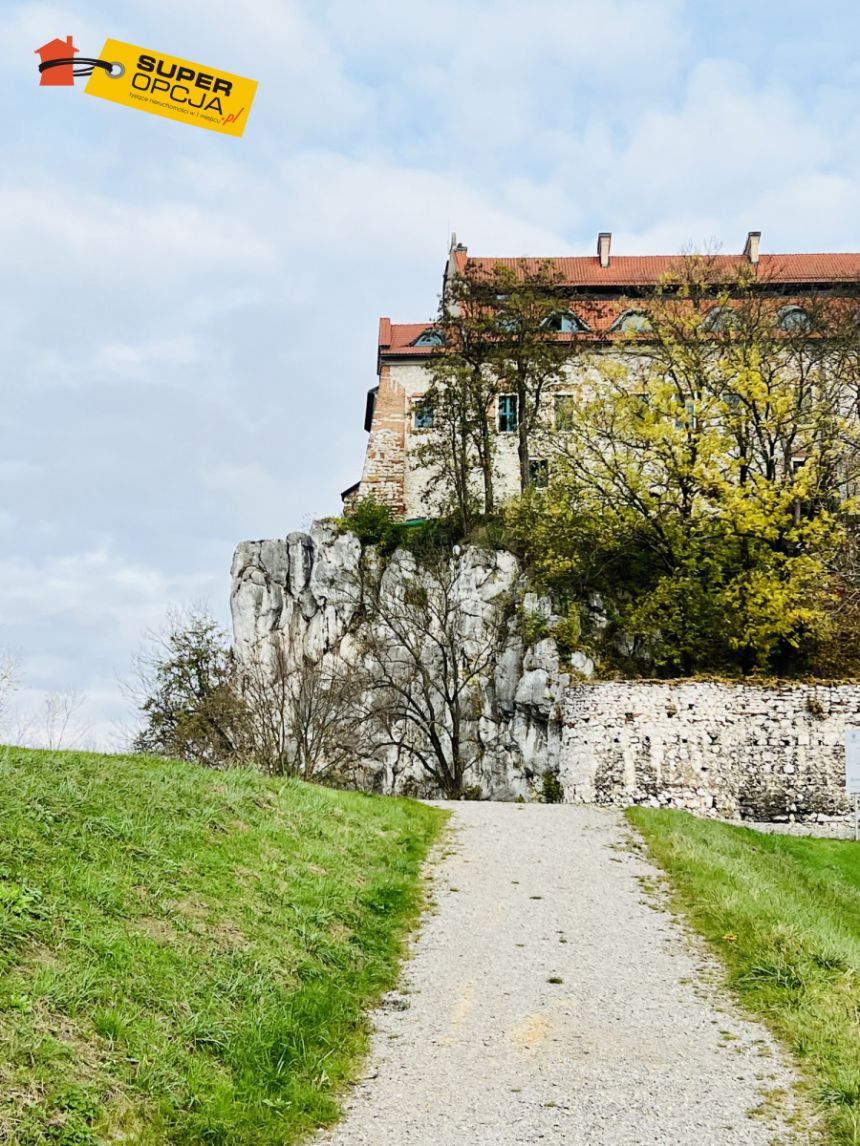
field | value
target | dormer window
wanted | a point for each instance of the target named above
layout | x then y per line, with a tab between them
719	319
631	322
793	318
565	322
429	338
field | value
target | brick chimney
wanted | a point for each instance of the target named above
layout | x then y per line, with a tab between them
752	245
604	242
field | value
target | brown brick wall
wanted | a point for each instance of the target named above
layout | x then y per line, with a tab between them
385	460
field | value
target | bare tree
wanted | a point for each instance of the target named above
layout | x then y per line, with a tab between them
301	721
58	719
10	670
430	650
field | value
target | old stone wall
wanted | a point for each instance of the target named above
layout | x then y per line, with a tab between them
733	750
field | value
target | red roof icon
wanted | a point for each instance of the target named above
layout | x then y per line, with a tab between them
62	76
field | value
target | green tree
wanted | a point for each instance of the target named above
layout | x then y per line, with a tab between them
706	480
498	336
185	691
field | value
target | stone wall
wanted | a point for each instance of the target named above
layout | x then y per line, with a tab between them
732	750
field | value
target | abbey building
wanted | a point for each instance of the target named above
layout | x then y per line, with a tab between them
597	305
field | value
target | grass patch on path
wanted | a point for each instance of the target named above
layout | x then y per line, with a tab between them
783	912
187	956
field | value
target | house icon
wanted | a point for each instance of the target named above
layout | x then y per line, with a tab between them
63	74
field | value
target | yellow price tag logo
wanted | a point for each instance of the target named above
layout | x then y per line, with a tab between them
177	89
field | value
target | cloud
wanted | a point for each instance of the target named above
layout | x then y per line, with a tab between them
189	322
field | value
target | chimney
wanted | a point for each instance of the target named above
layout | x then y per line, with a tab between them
604	241
751	248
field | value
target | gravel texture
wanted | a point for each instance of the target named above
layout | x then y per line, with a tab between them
550	999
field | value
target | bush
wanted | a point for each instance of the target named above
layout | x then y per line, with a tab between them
372	523
552	791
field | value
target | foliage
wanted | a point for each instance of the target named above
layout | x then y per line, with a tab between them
185	690
371	522
496	339
784	915
552	791
703	485
187	956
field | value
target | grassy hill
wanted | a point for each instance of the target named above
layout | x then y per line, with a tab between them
784	914
185	955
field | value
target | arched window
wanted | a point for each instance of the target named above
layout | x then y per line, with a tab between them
429	338
793	318
719	319
631	322
565	322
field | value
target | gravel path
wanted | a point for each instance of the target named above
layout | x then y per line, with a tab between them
548	1001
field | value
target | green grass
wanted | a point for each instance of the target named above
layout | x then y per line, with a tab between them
187	956
784	914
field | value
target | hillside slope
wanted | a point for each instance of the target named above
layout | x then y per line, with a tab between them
185	955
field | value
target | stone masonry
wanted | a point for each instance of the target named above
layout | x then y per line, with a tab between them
740	751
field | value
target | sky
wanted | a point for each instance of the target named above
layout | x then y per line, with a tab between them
188	320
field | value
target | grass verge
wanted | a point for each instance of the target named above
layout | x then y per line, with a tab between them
783	912
187	956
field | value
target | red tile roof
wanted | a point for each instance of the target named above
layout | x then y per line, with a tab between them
642	270
624	272
399	336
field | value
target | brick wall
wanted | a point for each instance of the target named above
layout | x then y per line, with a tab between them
384	462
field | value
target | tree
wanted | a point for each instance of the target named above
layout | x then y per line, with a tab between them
707	475
301	721
498	336
10	675
185	692
463	387
530	352
429	649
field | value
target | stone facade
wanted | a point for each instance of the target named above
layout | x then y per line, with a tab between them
739	751
597	298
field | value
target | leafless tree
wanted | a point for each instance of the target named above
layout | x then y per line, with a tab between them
429	651
303	720
58	719
9	680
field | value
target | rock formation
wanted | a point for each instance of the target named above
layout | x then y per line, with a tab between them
304	594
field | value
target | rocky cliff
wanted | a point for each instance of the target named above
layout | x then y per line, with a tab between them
304	595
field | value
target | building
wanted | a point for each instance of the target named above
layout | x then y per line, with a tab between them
598	303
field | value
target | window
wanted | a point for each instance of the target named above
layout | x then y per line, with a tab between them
429	338
719	319
565	411
422	415
507	413
793	318
539	473
565	322
631	322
